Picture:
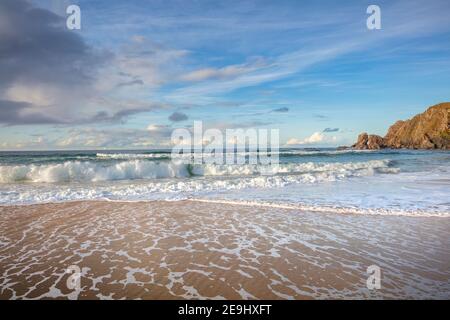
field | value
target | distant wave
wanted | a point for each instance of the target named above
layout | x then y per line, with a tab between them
324	152
141	169
168	155
133	155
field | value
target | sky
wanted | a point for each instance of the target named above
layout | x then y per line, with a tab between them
137	70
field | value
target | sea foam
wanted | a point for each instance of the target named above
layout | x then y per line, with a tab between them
142	169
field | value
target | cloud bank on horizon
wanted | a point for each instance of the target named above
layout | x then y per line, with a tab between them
137	70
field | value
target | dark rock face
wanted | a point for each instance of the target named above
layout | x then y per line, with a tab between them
428	130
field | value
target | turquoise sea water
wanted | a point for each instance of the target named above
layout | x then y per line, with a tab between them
408	182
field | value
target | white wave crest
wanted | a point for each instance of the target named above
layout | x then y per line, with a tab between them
89	171
338	168
141	169
132	155
125	156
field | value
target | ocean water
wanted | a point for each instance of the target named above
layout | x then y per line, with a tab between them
392	182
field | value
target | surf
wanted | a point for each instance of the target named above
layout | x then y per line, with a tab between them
88	171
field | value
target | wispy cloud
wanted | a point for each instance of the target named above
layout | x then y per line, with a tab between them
227	72
340	40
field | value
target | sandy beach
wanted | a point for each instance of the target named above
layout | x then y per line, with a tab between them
189	249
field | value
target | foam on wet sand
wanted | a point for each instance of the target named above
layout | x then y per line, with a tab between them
192	249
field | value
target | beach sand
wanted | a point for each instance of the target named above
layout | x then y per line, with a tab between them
199	250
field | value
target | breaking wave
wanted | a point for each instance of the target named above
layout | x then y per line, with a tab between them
140	169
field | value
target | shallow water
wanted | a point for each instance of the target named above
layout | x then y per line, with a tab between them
190	249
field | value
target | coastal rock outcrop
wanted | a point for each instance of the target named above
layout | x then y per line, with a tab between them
428	130
371	142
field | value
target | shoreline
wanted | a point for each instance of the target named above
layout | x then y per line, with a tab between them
198	250
252	203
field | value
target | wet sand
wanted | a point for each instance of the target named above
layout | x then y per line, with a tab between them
197	250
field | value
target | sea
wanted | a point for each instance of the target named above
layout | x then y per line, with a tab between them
382	182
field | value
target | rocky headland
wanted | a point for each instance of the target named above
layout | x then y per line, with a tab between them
428	130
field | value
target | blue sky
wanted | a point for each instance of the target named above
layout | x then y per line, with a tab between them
138	69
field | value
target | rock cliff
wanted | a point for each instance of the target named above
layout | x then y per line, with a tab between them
428	130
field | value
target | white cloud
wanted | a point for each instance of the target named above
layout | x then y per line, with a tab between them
37	94
315	138
293	141
278	68
114	138
227	72
34	143
158	128
136	73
